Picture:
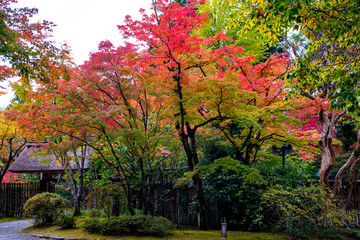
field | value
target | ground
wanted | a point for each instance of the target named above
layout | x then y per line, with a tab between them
10	230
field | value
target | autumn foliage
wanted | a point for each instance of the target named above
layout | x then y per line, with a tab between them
136	104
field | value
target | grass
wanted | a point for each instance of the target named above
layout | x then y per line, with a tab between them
10	219
175	235
183	234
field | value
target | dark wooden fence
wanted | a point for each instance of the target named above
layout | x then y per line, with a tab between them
14	197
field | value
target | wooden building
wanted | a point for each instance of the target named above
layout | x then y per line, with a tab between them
16	194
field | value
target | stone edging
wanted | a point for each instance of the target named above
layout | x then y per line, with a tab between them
54	238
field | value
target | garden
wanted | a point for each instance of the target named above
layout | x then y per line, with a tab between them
214	113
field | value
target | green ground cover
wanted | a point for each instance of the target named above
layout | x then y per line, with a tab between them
178	234
10	219
175	234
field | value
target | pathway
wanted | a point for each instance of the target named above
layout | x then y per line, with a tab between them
9	230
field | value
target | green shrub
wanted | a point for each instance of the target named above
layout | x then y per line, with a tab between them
114	226
157	226
138	224
45	207
96	213
65	220
93	225
304	211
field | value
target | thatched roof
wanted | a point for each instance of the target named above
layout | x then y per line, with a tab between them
28	162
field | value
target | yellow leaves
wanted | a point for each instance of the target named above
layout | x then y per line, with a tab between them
7	128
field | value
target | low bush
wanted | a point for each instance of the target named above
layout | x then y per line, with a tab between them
157	226
138	224
65	220
306	210
114	225
93	225
45	207
93	213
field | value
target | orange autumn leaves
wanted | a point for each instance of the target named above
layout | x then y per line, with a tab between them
131	89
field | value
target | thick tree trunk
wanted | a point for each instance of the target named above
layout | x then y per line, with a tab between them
128	199
146	198
187	136
77	207
200	197
352	164
353	175
327	159
77	199
325	144
200	203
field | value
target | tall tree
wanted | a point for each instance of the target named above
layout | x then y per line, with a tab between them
183	70
205	82
328	69
105	105
265	119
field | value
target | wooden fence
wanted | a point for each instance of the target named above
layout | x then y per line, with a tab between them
14	196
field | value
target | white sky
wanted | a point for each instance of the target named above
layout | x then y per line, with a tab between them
83	24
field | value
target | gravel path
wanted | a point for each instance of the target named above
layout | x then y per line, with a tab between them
9	230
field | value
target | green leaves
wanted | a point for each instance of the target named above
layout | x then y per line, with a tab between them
305	210
249	174
332	27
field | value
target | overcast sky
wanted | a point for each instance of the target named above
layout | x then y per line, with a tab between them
84	23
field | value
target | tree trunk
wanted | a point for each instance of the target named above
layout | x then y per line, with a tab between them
1	197
77	199
77	206
188	139
350	186
145	200
326	146
352	164
128	199
200	197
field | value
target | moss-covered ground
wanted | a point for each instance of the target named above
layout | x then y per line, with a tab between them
174	235
10	219
184	234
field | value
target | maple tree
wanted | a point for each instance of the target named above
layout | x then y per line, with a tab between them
25	48
325	67
265	119
11	177
271	69
222	14
105	106
183	70
11	144
127	103
207	86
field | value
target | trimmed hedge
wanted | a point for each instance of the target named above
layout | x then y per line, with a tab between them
65	220
138	224
45	207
